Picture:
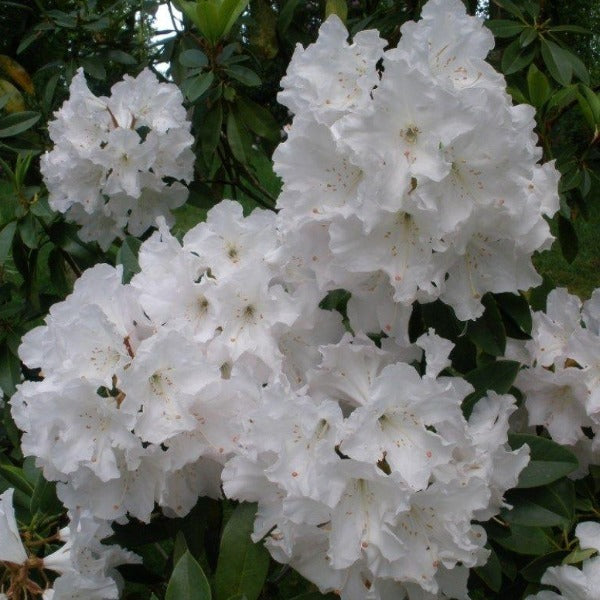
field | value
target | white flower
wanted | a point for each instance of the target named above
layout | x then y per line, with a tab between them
331	77
12	549
112	155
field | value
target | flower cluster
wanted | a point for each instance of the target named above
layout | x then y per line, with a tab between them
407	175
86	567
143	383
417	179
562	380
111	156
368	478
573	583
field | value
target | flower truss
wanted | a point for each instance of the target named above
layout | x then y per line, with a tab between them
111	156
408	175
561	381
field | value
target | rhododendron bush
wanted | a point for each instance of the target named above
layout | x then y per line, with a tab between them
360	391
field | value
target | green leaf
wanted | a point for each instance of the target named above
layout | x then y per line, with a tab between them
530	541
558	63
180	547
28	230
496	376
258	119
586	111
229	12
243	75
211	130
188	581
567	236
243	565
548	462
527	36
10	370
207	20
491	572
510	7
93	66
44	499
537	567
337	7
593	101
515	58
196	86
121	57
27	40
193	59
488	331
6	238
286	15
15	476
571	29
238	138
17	123
515	308
562	98
538	86
549	506
503	28
127	256
58	273
578	66
578	555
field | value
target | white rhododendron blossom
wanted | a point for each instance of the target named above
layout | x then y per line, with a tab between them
112	154
573	583
12	549
370	477
144	384
429	184
408	175
562	380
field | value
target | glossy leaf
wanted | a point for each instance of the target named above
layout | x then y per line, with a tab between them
258	119
503	28
193	59
515	58
10	370
243	565
6	239
127	256
238	138
529	541
491	572
547	506
243	75
538	86
188	581
338	8
497	376
567	236
548	462
558	63
488	331
196	86
537	567
18	123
